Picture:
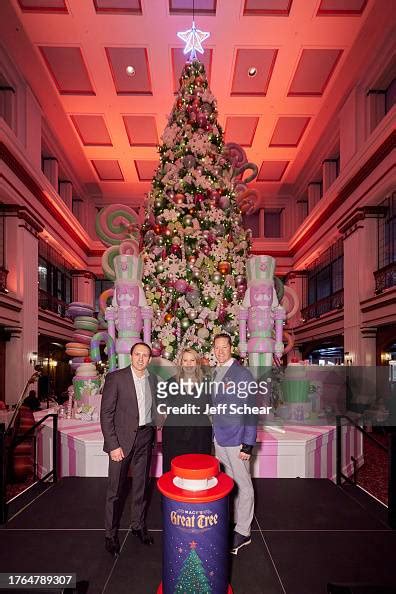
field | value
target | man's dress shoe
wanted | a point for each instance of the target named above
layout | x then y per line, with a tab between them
112	545
143	536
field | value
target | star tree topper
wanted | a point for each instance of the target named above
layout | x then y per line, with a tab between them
193	39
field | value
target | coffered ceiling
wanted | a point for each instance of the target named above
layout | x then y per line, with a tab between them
75	55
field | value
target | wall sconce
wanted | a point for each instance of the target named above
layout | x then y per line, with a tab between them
53	363
33	358
3	280
386	357
348	358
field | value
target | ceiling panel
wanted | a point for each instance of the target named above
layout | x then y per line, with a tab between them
179	60
337	7
241	129
141	130
272	171
118	6
314	71
289	130
267	7
43	5
145	169
119	59
107	169
185	6
261	59
68	69
91	129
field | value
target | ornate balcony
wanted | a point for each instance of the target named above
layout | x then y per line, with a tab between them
330	303
385	277
47	301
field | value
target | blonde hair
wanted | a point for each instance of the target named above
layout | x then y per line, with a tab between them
197	369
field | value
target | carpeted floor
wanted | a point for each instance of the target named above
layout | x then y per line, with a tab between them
373	475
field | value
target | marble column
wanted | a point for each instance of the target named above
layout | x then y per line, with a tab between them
66	193
51	171
314	194
84	286
22	231
329	173
375	109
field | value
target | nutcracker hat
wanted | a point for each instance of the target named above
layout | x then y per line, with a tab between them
260	269
128	268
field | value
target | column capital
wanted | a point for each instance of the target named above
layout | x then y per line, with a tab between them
368	332
30	222
83	273
352	222
292	274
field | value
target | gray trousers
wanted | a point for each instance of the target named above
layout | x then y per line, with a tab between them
239	470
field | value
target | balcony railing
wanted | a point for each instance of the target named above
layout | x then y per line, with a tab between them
317	309
385	277
47	301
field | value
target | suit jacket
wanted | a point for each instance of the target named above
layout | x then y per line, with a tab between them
119	413
234	429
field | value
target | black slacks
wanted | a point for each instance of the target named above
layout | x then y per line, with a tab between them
140	460
177	441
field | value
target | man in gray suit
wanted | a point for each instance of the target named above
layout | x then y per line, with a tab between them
126	418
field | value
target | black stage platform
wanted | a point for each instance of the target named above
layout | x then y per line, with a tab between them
306	533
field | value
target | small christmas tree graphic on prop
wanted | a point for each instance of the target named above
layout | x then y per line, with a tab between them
192	578
195	247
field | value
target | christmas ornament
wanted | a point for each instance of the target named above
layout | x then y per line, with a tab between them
178	199
189	161
168	317
203	333
181	285
224	202
216	278
159	268
185	323
224	267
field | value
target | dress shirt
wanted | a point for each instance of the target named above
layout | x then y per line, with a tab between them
143	395
221	370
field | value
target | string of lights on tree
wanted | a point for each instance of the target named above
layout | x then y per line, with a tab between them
195	247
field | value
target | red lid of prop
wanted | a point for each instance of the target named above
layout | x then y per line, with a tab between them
195	466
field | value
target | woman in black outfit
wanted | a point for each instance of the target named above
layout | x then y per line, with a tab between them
186	433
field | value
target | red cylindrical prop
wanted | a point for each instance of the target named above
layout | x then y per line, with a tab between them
195	526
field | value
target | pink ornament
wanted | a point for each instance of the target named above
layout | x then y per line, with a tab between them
181	285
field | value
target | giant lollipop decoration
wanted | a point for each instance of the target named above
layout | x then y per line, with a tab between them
247	198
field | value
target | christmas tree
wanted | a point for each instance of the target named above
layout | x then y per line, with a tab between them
195	247
192	578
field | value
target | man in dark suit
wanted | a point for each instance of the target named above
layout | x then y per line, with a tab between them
126	418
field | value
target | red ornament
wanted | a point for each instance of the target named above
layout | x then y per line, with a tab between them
157	229
178	199
175	249
198	198
224	267
87	360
